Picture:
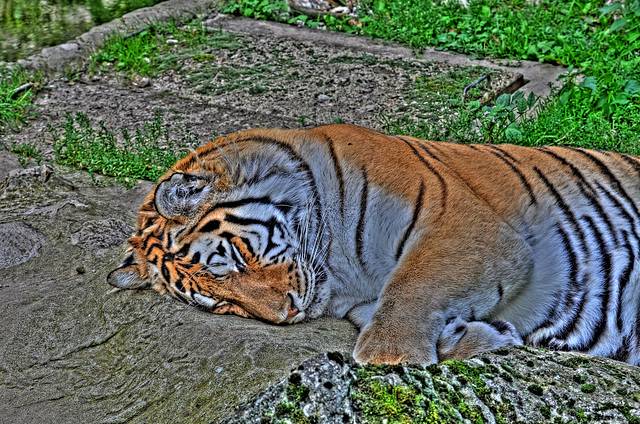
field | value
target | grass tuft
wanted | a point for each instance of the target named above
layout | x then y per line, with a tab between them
145	155
17	91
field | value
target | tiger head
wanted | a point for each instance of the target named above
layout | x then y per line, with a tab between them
226	242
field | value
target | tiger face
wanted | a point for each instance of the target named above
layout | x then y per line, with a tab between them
223	256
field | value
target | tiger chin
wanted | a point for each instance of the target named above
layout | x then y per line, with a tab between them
433	250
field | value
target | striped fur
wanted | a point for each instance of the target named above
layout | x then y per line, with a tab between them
401	236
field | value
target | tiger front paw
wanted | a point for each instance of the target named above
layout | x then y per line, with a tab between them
376	346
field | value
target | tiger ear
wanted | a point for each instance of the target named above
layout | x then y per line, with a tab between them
180	195
129	275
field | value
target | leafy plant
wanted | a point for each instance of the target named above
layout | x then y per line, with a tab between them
257	9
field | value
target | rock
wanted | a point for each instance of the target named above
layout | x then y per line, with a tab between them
73	351
98	235
323	97
511	385
18	244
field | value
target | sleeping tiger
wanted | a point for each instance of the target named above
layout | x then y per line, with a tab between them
434	250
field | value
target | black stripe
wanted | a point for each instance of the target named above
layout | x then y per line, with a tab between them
566	211
443	184
165	272
622	354
184	250
361	220
338	169
235	257
271	224
210	226
195	258
152	246
502	152
129	260
515	170
625	276
424	147
181	297
621	209
630	160
606	286
242	202
416	212
227	236
612	178
169	241
569	300
247	243
587	191
575	289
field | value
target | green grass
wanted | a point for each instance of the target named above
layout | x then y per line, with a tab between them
146	155
17	91
159	47
598	105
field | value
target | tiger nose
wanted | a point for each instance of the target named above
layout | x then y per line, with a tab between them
293	309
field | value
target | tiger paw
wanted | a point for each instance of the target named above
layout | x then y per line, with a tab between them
461	339
375	346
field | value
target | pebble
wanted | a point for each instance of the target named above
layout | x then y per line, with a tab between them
323	97
144	82
172	41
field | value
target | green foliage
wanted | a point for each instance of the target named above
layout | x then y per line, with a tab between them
157	48
257	9
26	152
17	91
130	53
598	103
145	155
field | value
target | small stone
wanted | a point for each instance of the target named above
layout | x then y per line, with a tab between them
323	97
95	78
80	270
172	41
144	82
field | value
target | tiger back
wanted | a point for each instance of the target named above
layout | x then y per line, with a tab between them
401	236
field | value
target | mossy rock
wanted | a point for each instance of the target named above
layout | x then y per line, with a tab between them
500	387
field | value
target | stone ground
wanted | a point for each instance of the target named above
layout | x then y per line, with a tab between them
72	351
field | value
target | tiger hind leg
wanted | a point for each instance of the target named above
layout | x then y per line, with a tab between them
461	339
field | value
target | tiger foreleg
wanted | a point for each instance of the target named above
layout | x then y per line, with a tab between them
450	274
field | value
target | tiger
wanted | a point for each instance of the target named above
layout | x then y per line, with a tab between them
422	245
